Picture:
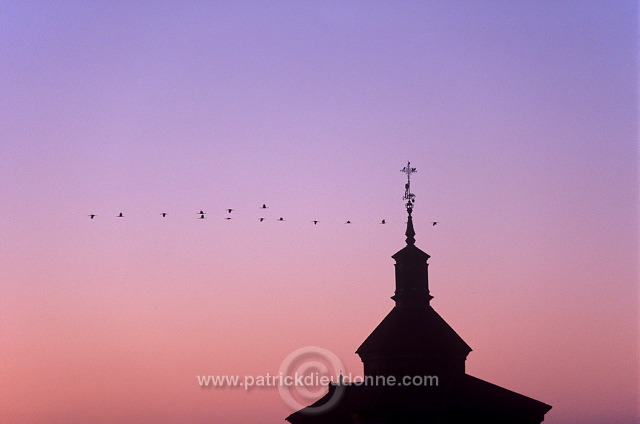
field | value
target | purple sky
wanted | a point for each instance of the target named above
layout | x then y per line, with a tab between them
521	117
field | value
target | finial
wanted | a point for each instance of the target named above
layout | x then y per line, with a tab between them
410	198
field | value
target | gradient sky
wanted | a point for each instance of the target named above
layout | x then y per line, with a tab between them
521	117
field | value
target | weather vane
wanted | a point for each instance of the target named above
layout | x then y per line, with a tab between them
408	196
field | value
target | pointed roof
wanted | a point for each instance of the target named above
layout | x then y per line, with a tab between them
413	329
411	252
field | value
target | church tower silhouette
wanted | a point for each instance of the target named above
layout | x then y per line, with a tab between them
414	341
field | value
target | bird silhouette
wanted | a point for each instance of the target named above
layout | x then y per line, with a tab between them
383	221
348	222
281	219
164	214
315	222
261	219
201	216
92	216
263	206
120	215
201	213
229	210
434	223
228	218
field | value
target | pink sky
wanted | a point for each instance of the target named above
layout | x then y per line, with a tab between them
520	117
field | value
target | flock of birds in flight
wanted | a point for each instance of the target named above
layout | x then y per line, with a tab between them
201	215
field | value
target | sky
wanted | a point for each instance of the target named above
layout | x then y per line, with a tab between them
520	117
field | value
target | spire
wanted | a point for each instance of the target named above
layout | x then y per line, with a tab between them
410	198
412	279
413	339
410	233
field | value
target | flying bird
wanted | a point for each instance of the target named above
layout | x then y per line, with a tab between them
263	206
201	216
229	210
164	214
261	219
348	222
315	222
383	221
434	223
120	215
281	219
92	216
201	213
227	218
